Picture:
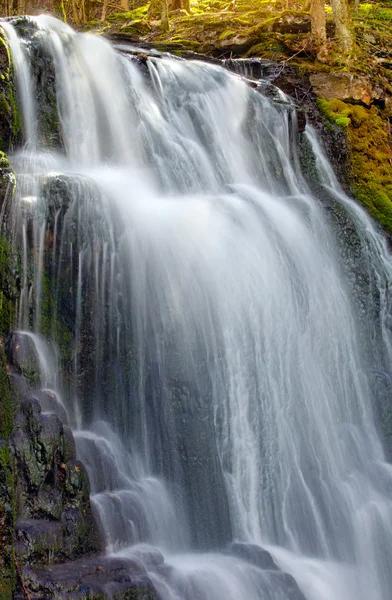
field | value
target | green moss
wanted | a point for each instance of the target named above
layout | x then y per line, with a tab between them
378	204
335	111
51	324
7	299
228	33
343	121
10	119
4	162
16	114
133	15
371	155
372	11
270	47
137	27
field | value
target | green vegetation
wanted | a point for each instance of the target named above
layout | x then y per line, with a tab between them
371	155
7	299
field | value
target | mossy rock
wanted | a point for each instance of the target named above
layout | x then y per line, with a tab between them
371	155
10	116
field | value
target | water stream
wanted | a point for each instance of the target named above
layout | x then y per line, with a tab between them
217	317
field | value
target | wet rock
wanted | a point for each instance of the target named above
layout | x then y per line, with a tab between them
56	522
287	584
69	448
77	483
22	356
345	86
10	123
6	520
333	139
50	403
39	541
18	384
82	531
98	577
37	443
148	555
257	556
48	503
253	554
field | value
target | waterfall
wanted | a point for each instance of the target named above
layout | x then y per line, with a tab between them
218	319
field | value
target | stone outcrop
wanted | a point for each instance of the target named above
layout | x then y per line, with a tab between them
347	87
94	578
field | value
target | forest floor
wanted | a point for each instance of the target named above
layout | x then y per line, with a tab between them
262	28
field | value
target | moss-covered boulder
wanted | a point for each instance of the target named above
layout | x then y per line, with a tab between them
370	155
10	122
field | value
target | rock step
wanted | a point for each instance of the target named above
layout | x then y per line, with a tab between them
94	578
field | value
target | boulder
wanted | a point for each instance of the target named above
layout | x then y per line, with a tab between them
22	356
98	577
345	86
55	518
254	554
50	403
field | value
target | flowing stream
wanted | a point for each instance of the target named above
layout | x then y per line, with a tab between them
217	320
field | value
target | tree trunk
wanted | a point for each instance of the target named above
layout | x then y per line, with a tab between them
125	5
104	9
344	26
317	19
75	14
177	4
165	16
159	10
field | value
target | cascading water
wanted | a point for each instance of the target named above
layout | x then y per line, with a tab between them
217	324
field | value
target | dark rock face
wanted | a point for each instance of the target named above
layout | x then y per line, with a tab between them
50	403
53	485
96	578
22	356
10	123
56	538
7	488
333	140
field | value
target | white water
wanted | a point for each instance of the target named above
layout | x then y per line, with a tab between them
224	320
